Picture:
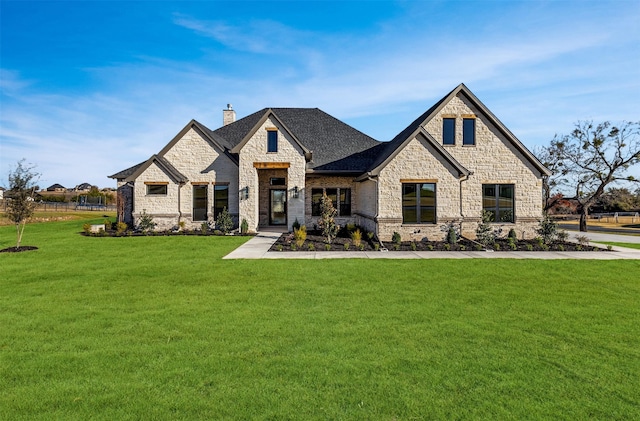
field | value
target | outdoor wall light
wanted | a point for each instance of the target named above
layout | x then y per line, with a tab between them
295	192
245	193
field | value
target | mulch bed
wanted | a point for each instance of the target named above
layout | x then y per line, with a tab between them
315	242
18	249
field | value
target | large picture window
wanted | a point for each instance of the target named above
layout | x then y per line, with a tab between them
340	197
220	199
418	203
498	199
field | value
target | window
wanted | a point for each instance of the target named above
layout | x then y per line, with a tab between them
468	131
498	199
340	197
272	141
220	199
448	131
157	189
418	203
200	200
277	181
345	202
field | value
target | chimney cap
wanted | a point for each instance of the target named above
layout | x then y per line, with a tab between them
229	107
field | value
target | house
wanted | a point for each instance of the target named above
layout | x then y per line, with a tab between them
83	187
56	188
272	167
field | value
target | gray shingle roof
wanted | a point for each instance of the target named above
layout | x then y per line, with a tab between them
335	145
126	173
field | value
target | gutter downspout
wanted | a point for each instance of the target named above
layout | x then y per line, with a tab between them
466	178
179	203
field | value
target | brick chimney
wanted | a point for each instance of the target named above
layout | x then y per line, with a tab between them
228	115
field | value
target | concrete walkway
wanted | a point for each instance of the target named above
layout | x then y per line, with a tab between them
258	248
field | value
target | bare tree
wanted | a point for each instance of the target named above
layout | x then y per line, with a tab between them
592	157
22	189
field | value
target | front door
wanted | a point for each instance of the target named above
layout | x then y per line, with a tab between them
278	207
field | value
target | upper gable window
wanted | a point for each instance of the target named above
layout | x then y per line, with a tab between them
272	141
156	189
448	131
468	131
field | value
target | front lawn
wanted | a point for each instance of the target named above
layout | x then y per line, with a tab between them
627	245
163	328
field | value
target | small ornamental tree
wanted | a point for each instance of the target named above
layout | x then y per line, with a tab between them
22	189
224	221
485	233
327	223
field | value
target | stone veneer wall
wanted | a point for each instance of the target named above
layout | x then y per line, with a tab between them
255	150
493	160
417	162
367	199
200	162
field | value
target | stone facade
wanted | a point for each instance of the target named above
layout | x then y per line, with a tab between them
196	158
203	164
253	154
417	162
493	160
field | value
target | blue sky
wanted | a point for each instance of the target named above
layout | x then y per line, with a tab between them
89	88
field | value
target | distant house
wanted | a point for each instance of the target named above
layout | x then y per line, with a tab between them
273	167
1	193
83	187
56	188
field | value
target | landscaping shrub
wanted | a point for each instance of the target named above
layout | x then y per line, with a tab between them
244	226
145	222
452	231
356	237
583	240
86	228
547	230
327	222
396	238
224	222
485	233
346	246
413	246
300	235
512	234
204	227
121	227
295	225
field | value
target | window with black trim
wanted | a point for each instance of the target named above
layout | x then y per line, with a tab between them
468	131
220	199
418	203
272	141
156	189
448	131
340	197
498	200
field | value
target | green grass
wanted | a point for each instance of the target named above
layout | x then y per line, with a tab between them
162	328
627	245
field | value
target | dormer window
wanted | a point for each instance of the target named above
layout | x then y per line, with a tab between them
272	140
468	131
448	131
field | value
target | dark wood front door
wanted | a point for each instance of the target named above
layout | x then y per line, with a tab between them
278	207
